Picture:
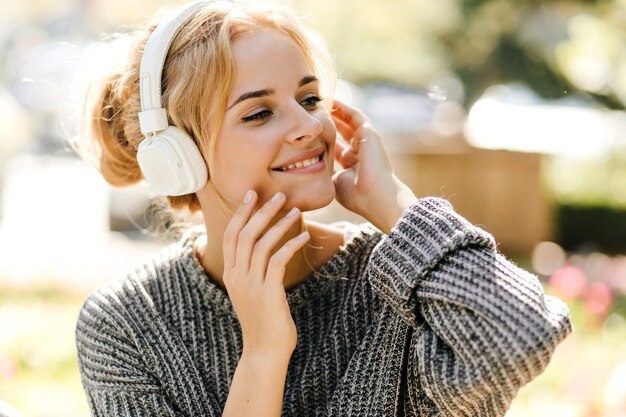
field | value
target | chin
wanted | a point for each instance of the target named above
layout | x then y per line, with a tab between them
311	200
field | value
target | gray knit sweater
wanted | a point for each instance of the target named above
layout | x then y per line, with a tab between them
428	321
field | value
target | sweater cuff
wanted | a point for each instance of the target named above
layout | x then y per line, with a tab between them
425	233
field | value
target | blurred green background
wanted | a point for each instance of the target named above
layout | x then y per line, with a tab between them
512	109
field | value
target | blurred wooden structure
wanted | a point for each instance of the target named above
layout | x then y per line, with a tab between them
499	190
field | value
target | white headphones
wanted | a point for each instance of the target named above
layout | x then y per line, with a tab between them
169	159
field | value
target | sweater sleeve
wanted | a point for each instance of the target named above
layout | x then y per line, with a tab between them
483	327
127	361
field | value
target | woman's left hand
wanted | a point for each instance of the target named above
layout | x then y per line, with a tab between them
367	184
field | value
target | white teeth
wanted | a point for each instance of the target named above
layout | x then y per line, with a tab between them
300	164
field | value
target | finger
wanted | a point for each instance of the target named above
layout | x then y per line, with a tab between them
349	157
254	227
355	143
352	134
352	116
343	128
278	262
264	246
231	233
339	148
345	155
343	150
344	182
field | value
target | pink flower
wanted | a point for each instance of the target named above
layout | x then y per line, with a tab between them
598	299
568	282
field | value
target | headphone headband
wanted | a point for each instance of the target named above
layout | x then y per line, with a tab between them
153	117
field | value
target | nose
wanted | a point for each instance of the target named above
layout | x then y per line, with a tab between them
304	125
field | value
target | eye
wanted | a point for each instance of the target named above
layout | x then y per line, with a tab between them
311	102
261	115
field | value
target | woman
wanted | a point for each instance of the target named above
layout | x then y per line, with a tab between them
263	313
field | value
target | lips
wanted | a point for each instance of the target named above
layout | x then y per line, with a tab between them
298	161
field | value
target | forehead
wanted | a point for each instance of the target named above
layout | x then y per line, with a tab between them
267	57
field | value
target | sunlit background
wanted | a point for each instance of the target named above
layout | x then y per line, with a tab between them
512	109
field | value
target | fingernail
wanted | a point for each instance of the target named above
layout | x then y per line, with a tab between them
276	198
293	212
248	197
304	235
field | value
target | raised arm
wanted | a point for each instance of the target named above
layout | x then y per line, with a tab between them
483	327
253	276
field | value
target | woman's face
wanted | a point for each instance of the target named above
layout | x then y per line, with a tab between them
276	135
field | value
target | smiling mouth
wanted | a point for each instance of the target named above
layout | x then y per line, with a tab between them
301	164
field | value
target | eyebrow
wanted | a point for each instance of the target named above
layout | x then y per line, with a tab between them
268	92
307	80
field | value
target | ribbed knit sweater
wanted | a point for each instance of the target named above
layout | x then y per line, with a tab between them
428	321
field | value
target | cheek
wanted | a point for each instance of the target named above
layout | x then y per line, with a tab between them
239	160
240	167
329	130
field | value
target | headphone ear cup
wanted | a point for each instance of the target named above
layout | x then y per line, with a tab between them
171	163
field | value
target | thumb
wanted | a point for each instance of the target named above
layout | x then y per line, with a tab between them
345	184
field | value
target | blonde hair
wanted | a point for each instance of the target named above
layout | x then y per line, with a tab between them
199	60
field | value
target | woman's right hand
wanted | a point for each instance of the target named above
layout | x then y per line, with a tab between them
253	276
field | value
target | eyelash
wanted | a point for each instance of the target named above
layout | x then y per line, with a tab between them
263	114
312	101
309	103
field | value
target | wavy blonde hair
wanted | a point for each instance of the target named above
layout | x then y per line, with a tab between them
200	60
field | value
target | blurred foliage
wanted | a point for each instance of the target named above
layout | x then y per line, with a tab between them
556	47
593	181
38	369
